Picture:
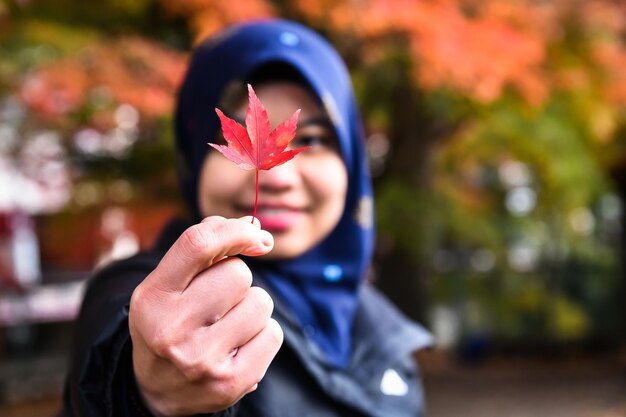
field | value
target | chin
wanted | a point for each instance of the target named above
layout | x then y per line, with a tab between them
284	250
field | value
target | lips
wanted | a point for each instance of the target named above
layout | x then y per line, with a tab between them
278	217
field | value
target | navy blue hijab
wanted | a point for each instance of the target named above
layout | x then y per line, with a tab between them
321	286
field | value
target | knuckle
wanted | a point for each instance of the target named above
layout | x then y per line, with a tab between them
262	301
213	219
162	346
141	305
227	390
194	370
135	313
224	397
137	299
203	368
209	371
218	224
243	273
275	333
196	240
220	372
165	342
237	271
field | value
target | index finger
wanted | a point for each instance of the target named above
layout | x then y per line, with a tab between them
206	243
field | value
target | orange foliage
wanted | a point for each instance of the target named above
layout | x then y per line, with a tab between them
476	47
56	90
478	56
479	48
347	15
606	16
497	45
613	60
206	17
130	70
608	22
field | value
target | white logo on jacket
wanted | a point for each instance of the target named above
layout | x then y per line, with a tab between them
393	384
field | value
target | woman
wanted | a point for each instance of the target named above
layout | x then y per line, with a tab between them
197	324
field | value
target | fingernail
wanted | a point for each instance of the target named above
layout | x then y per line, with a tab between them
252	220
266	238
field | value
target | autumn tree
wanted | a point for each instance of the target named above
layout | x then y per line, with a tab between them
495	130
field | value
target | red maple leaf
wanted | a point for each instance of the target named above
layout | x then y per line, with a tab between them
255	146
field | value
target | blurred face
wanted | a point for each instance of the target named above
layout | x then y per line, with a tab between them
301	201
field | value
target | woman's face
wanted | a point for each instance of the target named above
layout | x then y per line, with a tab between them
301	201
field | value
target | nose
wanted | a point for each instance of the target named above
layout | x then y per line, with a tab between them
279	178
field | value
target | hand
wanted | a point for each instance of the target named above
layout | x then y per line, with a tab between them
202	336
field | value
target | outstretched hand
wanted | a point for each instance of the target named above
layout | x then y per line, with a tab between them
202	336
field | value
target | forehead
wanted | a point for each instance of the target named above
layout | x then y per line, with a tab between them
284	97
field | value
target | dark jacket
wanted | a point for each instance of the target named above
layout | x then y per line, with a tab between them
382	379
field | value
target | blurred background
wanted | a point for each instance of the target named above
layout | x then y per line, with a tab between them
497	139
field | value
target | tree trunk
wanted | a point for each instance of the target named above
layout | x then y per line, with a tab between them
414	137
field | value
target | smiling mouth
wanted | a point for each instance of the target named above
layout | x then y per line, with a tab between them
271	209
275	211
278	218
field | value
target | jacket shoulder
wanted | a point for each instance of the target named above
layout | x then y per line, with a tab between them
379	320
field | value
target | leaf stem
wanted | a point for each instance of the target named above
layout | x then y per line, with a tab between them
256	195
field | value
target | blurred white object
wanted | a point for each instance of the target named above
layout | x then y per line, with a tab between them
25	251
48	303
115	227
20	264
445	324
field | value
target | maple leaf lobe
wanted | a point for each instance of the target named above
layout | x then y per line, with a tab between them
256	146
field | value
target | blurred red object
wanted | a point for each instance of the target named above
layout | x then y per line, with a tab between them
8	279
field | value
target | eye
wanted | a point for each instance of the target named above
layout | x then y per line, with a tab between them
317	139
310	140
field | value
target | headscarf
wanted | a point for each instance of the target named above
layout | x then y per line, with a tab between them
321	286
